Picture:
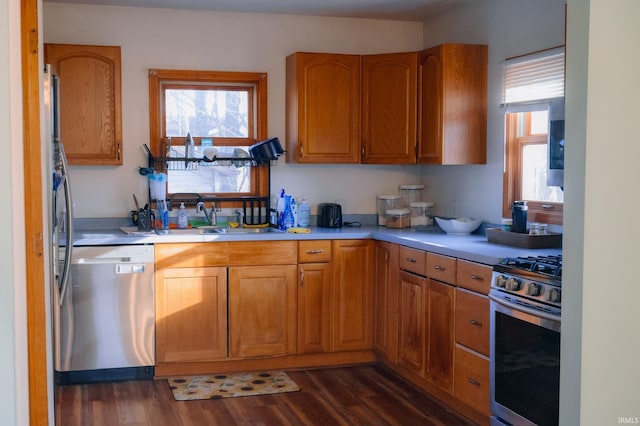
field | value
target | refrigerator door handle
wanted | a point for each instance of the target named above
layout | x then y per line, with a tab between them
64	279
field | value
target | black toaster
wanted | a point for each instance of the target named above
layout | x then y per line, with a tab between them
329	215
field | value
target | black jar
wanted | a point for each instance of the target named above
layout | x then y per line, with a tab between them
519	216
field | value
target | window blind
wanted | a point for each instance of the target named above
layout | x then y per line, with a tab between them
533	78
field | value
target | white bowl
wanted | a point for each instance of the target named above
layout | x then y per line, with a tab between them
460	226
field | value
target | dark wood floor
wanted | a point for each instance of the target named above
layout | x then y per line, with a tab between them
363	395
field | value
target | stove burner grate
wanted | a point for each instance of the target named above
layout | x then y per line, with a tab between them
547	265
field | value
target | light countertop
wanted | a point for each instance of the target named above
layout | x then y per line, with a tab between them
474	247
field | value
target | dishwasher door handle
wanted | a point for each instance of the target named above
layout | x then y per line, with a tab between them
101	260
130	268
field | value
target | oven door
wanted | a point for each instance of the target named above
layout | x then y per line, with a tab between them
525	362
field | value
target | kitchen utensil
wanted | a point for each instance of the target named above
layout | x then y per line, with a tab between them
135	201
145	218
266	150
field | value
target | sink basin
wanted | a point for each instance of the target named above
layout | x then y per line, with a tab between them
217	230
239	230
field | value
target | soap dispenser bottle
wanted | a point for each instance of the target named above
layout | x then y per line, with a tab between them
304	213
183	223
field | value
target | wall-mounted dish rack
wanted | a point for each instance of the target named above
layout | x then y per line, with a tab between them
256	208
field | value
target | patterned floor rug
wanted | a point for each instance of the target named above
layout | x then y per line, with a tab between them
231	385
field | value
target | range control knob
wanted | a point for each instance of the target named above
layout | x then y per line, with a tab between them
512	284
501	281
554	295
533	289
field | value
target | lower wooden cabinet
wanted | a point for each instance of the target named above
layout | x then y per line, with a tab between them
472	379
412	322
352	302
314	296
191	314
262	310
440	334
387	290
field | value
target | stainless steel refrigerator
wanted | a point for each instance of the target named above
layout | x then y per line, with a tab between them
58	192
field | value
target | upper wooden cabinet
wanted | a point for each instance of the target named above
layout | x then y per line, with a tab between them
90	102
452	125
397	108
389	108
323	108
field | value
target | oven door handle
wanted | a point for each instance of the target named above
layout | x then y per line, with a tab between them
524	309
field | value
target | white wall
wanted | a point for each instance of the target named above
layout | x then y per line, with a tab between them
600	373
509	28
180	39
14	396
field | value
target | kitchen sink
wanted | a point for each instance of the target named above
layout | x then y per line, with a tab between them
217	230
239	230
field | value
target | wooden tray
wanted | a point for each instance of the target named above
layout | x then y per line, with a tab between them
497	235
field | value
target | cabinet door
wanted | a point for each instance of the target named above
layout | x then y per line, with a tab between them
412	322
90	104
386	299
323	108
389	108
314	296
440	334
262	310
352	302
453	105
191	314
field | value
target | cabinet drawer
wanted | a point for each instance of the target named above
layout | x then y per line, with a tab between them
413	260
263	253
190	255
472	320
474	276
441	268
316	251
471	379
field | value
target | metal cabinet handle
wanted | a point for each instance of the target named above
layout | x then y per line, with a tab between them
474	322
474	382
476	277
316	251
411	259
548	206
439	268
301	277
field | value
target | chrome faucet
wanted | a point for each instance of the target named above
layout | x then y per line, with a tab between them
240	216
210	215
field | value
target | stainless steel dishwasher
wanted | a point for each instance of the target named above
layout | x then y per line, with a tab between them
104	326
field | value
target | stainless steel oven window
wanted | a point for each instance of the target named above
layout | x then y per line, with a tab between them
525	366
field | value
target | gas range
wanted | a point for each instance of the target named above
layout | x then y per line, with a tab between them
533	280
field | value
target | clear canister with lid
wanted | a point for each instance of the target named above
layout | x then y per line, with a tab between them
398	218
412	193
387	202
421	213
